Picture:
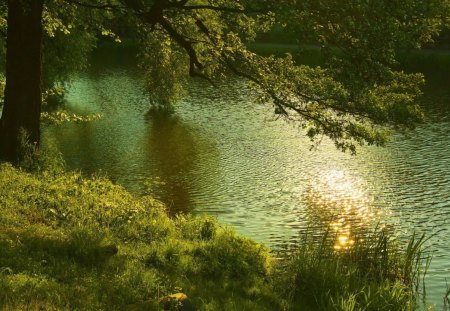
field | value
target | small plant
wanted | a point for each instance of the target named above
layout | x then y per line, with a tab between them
446	296
45	157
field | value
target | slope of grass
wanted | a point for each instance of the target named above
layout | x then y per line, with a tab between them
67	242
74	243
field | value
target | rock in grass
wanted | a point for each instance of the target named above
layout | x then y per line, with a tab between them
109	250
177	301
172	302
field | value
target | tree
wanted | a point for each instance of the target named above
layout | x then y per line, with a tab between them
23	76
355	98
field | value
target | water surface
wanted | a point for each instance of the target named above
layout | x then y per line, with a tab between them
224	155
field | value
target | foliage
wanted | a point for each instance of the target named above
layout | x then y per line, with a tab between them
351	100
357	97
47	158
360	38
60	117
162	65
70	35
372	274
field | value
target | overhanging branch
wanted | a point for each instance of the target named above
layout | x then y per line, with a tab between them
280	103
186	45
107	7
222	9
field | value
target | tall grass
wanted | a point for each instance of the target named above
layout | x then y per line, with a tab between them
447	297
375	273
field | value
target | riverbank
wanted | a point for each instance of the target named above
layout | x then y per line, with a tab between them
70	242
67	242
415	60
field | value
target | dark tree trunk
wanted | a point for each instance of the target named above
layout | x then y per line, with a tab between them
22	107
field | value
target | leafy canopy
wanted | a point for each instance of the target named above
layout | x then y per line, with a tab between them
356	97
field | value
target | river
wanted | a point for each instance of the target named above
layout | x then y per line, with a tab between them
224	155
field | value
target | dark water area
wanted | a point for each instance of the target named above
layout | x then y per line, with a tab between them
224	155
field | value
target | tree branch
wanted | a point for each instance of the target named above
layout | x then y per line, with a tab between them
195	66
186	45
221	9
247	76
280	103
179	3
106	7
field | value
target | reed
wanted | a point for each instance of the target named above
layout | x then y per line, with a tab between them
446	297
377	272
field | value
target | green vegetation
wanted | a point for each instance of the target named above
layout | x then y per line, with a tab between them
307	55
373	274
69	242
356	97
412	60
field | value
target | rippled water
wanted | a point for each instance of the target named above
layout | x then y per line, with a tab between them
224	155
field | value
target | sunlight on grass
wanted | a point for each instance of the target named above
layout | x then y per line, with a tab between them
70	242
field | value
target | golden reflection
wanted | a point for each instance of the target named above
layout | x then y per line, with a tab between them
338	201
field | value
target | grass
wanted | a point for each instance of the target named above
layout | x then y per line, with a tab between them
373	274
67	242
73	243
447	296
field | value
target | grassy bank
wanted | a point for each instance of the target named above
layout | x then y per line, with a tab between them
74	243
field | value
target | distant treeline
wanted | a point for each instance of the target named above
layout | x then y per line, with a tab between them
282	35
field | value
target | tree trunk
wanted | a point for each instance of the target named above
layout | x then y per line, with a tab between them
22	108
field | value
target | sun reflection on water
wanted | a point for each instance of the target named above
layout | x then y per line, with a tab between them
338	201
